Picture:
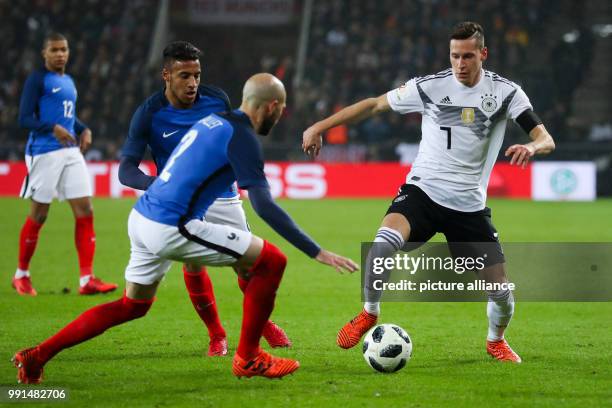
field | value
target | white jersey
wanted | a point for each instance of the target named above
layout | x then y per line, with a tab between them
462	132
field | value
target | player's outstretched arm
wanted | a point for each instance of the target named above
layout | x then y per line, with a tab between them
312	140
281	222
541	143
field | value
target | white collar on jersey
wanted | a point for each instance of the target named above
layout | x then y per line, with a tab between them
482	75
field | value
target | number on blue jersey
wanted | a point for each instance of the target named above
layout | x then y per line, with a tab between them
186	141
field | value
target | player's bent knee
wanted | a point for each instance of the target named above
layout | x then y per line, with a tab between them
136	308
270	260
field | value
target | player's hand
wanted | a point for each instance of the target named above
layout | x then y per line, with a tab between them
312	141
338	262
520	154
62	135
85	140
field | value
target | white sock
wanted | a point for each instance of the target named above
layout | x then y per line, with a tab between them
372	308
84	280
386	243
500	309
21	273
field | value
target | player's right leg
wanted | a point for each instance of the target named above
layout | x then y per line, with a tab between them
39	186
28	238
143	274
200	289
407	219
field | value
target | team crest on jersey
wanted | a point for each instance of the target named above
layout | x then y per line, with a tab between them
467	115
488	104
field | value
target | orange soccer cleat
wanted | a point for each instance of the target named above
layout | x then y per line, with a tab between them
95	285
502	351
23	286
264	365
29	366
351	333
275	336
217	346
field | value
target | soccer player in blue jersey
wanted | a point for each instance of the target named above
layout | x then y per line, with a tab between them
168	224
55	163
160	123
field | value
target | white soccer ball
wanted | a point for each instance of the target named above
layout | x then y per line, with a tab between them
387	348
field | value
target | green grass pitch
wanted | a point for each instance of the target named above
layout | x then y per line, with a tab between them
159	360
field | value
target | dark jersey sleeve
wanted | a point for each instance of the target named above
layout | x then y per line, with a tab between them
134	149
138	136
280	221
245	157
32	91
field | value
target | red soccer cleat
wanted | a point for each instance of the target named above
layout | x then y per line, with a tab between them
29	366
502	351
95	285
275	336
217	346
351	333
23	286
264	365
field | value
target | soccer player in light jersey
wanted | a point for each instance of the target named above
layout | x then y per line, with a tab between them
55	163
465	109
168	224
160	123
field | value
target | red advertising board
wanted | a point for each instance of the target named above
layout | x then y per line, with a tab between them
296	180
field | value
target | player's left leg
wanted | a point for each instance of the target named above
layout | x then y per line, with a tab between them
500	308
85	242
473	235
74	186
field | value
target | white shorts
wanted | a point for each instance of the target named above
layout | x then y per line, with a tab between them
154	246
61	173
228	211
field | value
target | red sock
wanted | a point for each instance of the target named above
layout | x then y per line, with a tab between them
202	296
259	296
85	240
242	284
94	322
28	238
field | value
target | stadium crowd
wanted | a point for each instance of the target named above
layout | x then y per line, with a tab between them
355	49
109	42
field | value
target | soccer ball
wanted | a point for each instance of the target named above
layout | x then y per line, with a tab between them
387	348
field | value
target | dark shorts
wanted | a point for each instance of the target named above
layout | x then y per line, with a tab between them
467	233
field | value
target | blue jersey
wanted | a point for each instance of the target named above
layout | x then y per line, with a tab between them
48	99
217	151
161	126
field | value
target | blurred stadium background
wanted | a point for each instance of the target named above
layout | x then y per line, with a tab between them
330	54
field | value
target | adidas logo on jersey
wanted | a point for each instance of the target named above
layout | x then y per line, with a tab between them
446	101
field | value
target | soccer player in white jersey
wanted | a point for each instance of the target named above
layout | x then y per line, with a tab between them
465	110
